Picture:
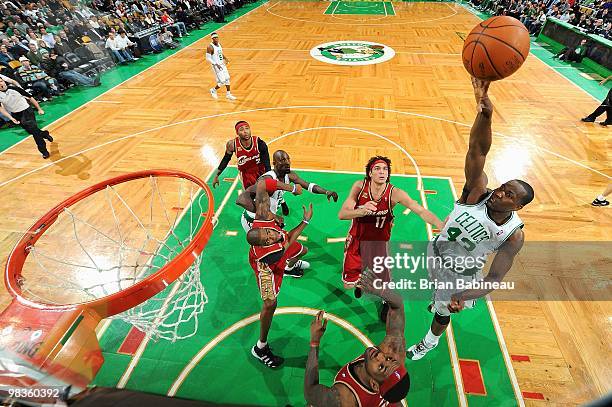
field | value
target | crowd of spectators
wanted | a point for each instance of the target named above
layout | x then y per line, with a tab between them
48	46
592	17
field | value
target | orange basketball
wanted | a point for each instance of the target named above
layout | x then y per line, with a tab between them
496	48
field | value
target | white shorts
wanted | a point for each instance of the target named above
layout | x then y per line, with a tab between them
222	75
246	225
441	297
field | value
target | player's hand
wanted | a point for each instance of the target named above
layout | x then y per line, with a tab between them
456	303
280	220
40	111
318	327
367	209
216	181
332	195
366	282
297	189
14	120
481	89
361	211
370	205
307	213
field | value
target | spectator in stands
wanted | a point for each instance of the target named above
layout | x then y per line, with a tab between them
124	43
20	26
47	38
219	10
17	48
121	56
34	77
537	24
34	54
61	47
58	67
165	38
566	16
5	55
179	25
181	15
34	39
72	42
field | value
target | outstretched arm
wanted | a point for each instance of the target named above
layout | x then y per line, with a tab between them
312	187
396	319
245	199
401	197
315	393
229	151
262	201
296	231
479	145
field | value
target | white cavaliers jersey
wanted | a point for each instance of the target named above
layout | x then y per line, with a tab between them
471	233
217	55
276	196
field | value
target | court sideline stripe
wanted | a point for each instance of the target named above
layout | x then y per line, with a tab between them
129	79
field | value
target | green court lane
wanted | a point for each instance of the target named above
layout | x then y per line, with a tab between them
231	287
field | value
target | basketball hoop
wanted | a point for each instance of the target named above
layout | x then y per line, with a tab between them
128	248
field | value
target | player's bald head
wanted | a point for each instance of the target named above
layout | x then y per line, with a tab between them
255	237
279	155
281	162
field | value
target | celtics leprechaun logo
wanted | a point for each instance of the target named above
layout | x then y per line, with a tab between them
352	53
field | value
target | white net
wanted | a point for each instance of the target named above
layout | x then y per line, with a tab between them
114	239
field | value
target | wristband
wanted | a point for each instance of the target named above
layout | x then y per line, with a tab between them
314	344
271	185
305	221
294	188
311	186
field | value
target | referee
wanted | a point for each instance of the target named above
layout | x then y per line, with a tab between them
14	105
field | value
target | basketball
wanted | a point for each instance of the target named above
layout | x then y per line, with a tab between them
496	48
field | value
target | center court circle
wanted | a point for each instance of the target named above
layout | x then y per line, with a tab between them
352	53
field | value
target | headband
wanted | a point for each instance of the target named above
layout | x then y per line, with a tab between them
377	162
240	124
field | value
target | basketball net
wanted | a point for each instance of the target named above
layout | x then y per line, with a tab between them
128	248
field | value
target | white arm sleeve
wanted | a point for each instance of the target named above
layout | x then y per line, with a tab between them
209	58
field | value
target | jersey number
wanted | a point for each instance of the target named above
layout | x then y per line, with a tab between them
380	221
454	233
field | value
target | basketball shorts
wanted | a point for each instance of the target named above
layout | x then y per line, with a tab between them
222	75
441	297
270	276
360	255
246	220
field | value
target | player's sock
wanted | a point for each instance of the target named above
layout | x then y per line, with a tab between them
261	344
431	340
601	198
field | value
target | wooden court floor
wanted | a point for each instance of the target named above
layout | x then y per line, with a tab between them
338	116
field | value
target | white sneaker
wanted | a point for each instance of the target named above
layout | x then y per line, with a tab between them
297	270
418	351
229	96
213	93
